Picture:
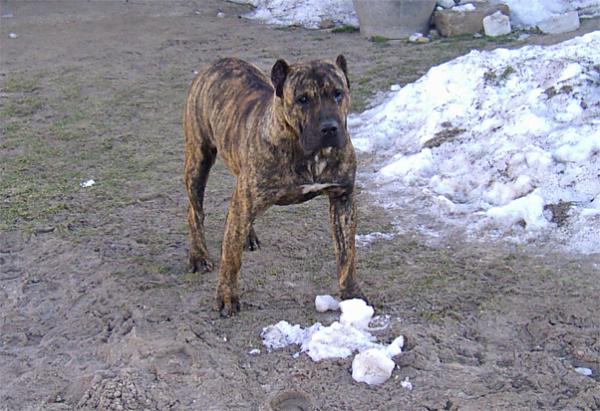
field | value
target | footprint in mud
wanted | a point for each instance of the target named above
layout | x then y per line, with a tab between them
289	401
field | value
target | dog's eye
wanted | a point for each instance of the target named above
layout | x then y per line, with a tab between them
338	95
303	100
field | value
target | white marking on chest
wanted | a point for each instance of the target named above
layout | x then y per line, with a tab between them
319	165
311	188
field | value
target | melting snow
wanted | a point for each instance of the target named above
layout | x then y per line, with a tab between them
310	13
496	138
341	339
307	13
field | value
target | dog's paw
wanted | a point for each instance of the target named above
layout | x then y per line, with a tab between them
353	292
200	265
227	306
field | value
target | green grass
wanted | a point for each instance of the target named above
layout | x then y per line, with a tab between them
20	84
22	107
346	28
379	40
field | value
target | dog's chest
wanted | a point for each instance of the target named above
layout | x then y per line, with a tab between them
312	177
318	174
318	164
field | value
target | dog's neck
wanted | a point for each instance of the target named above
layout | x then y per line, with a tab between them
281	134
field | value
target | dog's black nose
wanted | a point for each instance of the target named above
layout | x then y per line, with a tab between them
329	128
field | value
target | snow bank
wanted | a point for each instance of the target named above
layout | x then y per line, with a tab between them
531	12
373	364
307	13
310	13
500	137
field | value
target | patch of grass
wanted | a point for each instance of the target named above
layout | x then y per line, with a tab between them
72	126
346	28
446	135
508	70
22	107
20	84
491	77
10	129
379	40
32	201
290	27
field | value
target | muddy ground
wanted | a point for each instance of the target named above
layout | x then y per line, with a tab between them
97	309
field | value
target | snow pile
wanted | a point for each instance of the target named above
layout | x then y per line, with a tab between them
530	13
310	13
307	13
373	364
508	139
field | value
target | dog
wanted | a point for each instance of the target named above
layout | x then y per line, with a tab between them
286	141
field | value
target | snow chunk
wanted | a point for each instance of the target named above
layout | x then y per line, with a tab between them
337	341
406	384
326	302
528	209
341	339
283	334
584	371
464	8
356	313
372	366
87	183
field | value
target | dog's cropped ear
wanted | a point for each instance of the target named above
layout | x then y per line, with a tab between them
278	74
341	63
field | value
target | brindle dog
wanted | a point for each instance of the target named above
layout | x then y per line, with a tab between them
286	141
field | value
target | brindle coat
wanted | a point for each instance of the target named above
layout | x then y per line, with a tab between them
286	141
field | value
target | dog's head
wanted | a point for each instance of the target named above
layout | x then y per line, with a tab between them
315	98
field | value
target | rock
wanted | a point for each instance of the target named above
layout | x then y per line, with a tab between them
458	20
496	25
561	23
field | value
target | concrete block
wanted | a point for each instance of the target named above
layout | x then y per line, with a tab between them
452	22
394	19
561	23
496	24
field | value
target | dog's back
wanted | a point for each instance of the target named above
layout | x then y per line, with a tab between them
225	102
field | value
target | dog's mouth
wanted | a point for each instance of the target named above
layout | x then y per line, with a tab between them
312	142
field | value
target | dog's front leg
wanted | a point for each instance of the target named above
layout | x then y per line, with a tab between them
237	227
342	215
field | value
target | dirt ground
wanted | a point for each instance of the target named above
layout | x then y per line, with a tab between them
97	309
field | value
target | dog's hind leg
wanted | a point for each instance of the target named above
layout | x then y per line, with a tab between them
197	168
252	241
200	155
